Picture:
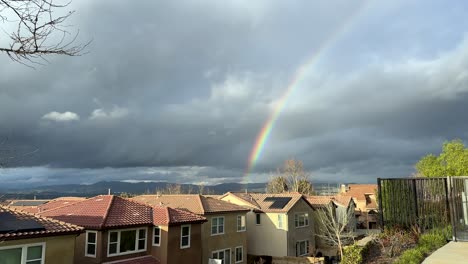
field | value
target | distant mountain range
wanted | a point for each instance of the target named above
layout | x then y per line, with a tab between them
118	187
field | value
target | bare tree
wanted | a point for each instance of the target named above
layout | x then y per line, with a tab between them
291	177
38	30
277	184
201	188
334	226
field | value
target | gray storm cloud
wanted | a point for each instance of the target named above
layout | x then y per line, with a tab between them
182	89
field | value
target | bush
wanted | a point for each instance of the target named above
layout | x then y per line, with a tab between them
427	243
354	254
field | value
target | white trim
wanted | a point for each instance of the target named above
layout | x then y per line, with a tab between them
137	238
24	251
189	235
306	247
235	254
217	225
86	244
307	218
245	223
280	223
222	250
154	228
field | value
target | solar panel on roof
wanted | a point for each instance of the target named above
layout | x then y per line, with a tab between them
278	202
27	203
11	223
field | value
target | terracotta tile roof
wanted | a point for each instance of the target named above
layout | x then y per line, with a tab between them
137	260
321	200
194	203
173	216
358	191
51	227
264	201
103	211
58	202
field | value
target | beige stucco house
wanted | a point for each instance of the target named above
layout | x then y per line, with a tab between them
119	230
367	215
26	238
278	224
224	234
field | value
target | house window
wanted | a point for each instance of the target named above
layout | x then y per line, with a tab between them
157	236
185	236
257	219
224	255
91	244
217	225
126	241
301	219
280	221
239	254
302	248
24	254
241	223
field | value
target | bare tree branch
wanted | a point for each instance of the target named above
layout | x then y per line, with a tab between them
39	31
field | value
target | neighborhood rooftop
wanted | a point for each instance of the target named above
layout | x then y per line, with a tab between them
106	211
195	203
17	225
265	202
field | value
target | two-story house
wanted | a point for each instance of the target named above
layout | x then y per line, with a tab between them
27	238
224	235
120	230
278	224
341	208
364	195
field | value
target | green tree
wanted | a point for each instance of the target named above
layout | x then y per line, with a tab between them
452	161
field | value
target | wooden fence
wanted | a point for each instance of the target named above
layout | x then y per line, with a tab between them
414	202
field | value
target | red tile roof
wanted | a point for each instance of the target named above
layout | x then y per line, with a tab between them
321	200
358	191
137	260
194	203
52	227
170	216
103	211
260	201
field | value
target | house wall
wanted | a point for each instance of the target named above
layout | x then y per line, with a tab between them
101	251
160	252
266	238
229	240
176	255
300	233
58	249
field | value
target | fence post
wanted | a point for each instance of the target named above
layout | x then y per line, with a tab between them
416	202
450	201
379	189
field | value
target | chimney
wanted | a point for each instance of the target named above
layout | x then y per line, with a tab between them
343	188
34	197
108	191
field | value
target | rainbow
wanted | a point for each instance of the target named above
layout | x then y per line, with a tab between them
298	76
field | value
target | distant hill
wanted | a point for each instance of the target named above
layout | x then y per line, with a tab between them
118	187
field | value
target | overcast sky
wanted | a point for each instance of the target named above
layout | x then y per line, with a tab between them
178	90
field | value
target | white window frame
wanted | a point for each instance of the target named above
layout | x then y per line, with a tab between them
87	243
189	236
297	221
24	251
223	250
137	238
239	227
259	222
217	225
242	255
280	221
307	244
159	236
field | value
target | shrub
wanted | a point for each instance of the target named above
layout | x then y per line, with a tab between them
412	256
352	254
426	244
